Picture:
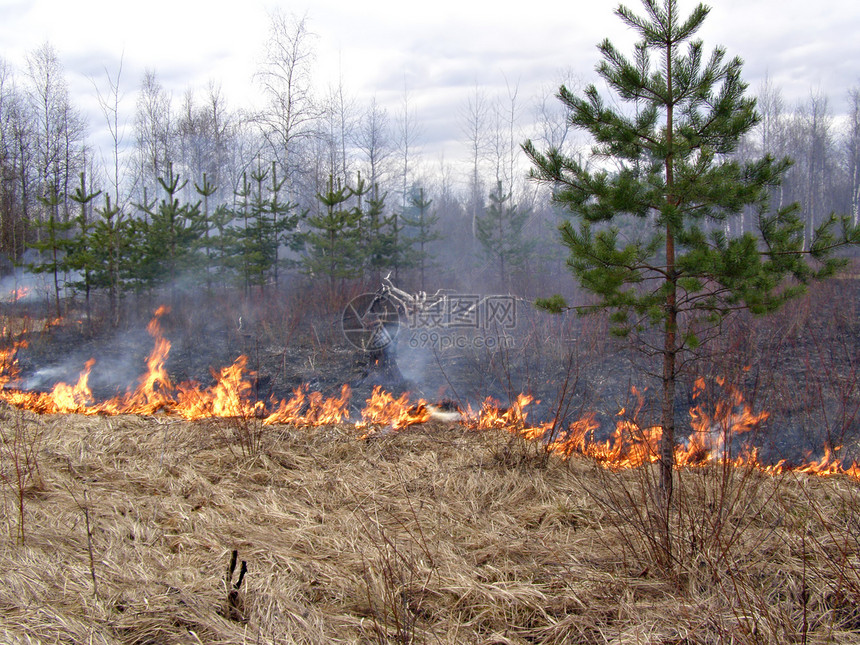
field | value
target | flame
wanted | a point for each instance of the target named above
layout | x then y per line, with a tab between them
9	370
719	427
383	409
491	416
629	446
15	295
311	409
829	464
154	390
229	397
576	438
74	398
715	436
714	433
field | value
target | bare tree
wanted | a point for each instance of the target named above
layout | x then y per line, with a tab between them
109	103
340	117
58	128
503	141
476	129
23	153
772	130
46	93
243	145
74	151
153	126
497	146
554	129
852	152
334	133
291	112
374	140
408	133
11	198
220	127
7	169
190	140
815	161
204	133
514	137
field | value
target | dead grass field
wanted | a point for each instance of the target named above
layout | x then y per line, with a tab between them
436	534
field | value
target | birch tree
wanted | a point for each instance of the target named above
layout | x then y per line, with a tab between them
291	111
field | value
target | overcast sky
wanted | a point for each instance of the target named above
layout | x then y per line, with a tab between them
440	49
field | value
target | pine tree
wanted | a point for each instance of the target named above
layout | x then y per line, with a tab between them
267	224
259	240
81	256
206	190
110	245
53	243
334	239
234	240
501	232
400	246
362	211
378	234
285	221
136	272
168	237
413	248
672	174
222	245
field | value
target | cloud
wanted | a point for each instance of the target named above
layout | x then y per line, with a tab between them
438	50
802	48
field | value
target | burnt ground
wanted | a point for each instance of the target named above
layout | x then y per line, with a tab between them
802	364
568	364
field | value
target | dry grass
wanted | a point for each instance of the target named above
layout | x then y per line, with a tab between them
436	535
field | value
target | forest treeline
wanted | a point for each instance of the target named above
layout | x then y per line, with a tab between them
196	193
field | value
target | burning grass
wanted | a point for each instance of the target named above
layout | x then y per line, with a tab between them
439	533
718	433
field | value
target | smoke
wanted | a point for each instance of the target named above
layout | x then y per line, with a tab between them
119	363
45	378
414	365
22	286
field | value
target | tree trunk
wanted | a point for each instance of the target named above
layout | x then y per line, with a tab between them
667	421
88	304
56	283
667	440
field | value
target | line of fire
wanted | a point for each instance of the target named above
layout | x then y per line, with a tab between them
719	425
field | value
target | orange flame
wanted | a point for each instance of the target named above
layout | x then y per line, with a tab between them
9	370
229	397
715	437
18	294
492	416
311	409
383	409
155	388
713	434
74	398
